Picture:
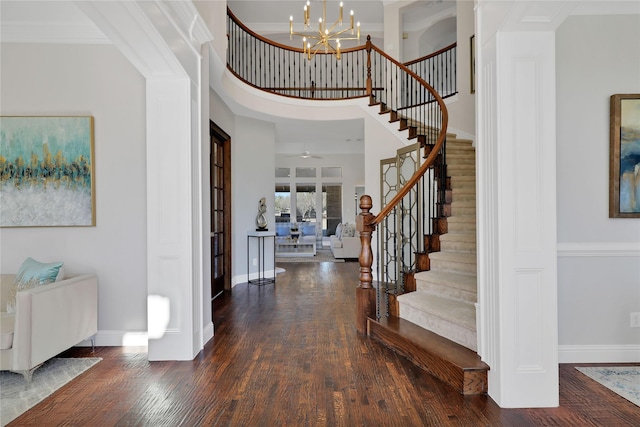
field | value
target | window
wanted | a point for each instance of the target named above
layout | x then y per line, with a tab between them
282	205
306	202
331	172
331	208
283	172
305	172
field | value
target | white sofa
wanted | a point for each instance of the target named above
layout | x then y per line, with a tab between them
346	242
47	320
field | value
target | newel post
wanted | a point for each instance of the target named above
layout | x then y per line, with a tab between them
365	292
369	84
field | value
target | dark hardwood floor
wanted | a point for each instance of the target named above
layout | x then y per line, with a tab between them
289	355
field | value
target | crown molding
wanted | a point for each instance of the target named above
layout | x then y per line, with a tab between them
186	18
130	29
616	7
45	32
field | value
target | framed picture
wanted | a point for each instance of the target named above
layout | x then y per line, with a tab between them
47	176
472	50
624	157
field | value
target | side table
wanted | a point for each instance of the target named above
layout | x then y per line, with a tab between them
259	237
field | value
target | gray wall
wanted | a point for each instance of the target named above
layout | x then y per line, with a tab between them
599	257
90	80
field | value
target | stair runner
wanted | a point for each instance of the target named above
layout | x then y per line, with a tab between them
445	296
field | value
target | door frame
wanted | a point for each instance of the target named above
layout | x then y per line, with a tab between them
216	132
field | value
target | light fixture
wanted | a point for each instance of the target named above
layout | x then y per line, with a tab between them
324	36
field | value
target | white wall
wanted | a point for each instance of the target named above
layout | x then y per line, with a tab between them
462	106
252	177
599	257
96	80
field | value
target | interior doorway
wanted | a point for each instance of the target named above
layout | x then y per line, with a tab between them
220	189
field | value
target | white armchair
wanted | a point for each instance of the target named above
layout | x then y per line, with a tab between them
346	242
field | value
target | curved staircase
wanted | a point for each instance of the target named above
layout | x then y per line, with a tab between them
435	326
433	213
445	296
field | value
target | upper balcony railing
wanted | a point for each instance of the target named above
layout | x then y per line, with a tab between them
410	100
285	70
439	69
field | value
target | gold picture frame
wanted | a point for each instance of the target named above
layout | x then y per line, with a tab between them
472	63
624	156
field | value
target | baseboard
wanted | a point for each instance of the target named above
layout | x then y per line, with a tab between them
599	353
207	333
135	339
244	278
118	339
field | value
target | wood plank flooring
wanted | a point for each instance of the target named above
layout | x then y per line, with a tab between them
289	355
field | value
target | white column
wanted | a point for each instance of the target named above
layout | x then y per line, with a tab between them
517	272
393	29
162	40
169	220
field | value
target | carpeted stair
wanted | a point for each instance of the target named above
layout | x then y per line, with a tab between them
445	296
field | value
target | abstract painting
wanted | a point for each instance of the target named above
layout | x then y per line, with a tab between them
47	176
624	157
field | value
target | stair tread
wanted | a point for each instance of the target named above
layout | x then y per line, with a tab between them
456	312
462	140
464	203
458	237
457	155
466	282
462	218
461	257
451	363
456	354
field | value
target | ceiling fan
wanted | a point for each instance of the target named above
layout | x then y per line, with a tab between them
305	155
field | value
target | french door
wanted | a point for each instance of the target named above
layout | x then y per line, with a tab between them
220	188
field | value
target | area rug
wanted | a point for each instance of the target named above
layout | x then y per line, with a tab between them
623	380
322	255
17	396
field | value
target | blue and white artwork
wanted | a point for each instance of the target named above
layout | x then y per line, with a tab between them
630	156
46	171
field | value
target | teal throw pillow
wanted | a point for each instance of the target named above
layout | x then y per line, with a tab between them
32	274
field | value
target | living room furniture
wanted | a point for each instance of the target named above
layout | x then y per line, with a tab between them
346	242
47	320
259	237
296	247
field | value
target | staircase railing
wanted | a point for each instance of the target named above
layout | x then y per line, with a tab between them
364	71
439	69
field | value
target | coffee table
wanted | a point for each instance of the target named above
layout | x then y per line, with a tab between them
293	248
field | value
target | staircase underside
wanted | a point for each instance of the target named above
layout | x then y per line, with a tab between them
452	363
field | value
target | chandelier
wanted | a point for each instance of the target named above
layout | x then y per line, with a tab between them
325	37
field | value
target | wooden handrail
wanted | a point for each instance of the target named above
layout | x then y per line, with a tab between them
366	221
377	219
431	55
